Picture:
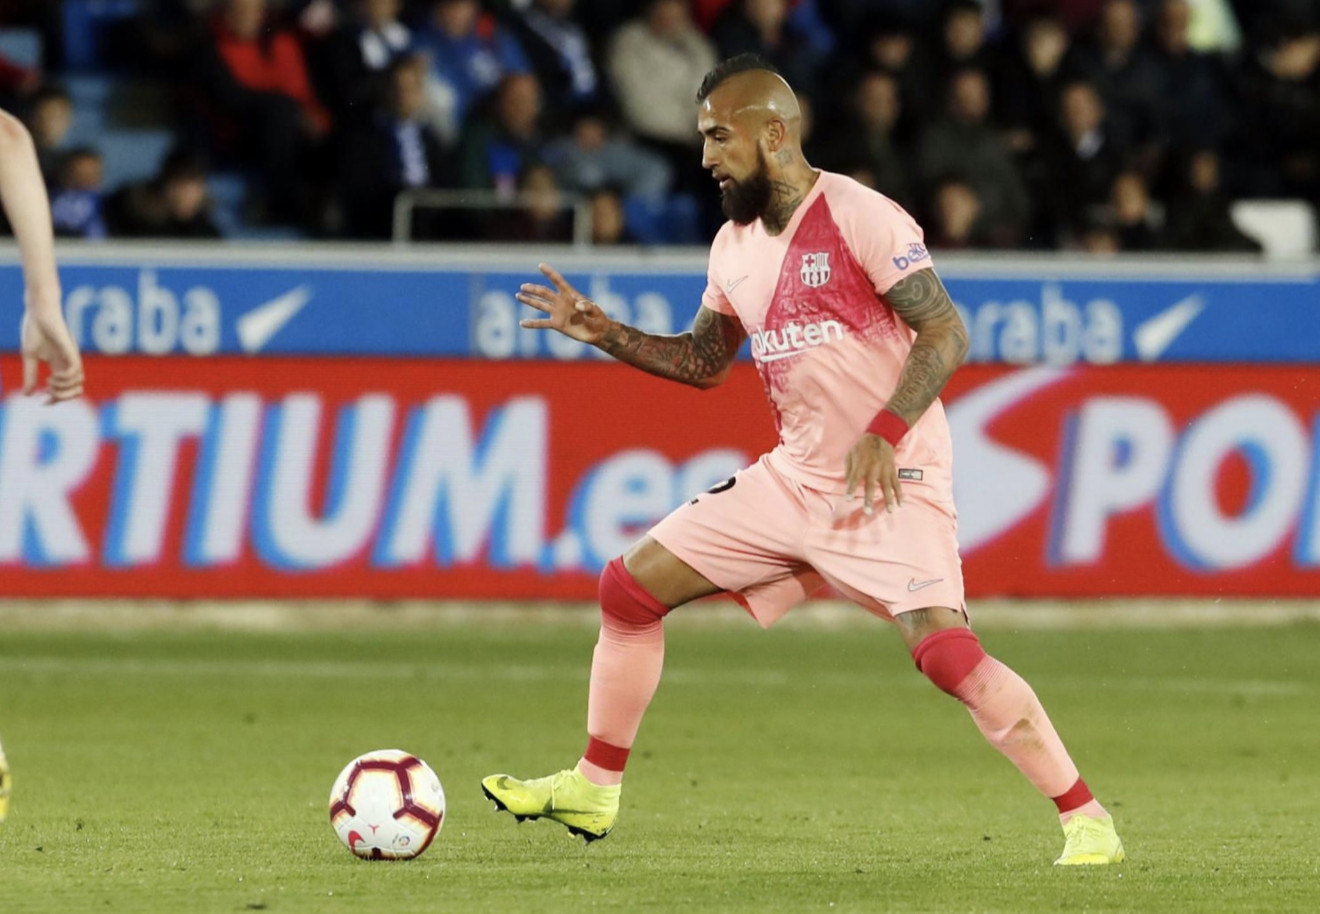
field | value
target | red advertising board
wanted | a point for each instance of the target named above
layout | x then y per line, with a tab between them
298	477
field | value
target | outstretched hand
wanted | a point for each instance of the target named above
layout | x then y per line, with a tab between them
568	310
871	465
45	338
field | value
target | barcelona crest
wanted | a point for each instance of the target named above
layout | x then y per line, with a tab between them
816	269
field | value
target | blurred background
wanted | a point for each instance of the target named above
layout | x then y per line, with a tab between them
292	232
1091	125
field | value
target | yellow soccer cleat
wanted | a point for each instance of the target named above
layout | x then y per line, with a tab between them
6	785
567	797
1090	841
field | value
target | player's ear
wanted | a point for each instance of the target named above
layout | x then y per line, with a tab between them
775	133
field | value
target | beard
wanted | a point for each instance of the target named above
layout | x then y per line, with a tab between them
744	201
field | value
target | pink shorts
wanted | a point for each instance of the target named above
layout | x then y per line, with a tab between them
771	542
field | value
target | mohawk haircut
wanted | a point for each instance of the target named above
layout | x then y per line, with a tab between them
732	66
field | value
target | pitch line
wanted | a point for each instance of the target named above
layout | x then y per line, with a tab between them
675	675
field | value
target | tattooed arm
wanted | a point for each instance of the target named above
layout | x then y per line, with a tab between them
940	346
701	357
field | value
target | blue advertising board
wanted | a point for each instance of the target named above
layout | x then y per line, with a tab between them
380	302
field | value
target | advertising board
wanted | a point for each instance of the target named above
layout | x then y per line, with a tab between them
292	476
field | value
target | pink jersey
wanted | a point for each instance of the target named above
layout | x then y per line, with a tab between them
827	345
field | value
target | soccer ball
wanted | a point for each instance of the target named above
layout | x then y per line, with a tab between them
387	805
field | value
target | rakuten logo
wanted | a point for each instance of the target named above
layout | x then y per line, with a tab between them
793	339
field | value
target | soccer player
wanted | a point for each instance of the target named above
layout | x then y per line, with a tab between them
854	336
44	335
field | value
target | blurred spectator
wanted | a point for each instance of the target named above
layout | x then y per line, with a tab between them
763	27
1080	161
470	53
1198	214
76	200
656	63
864	144
963	41
545	215
966	145
1279	130
1193	101
499	146
355	60
254	73
1033	71
1134	218
173	204
895	49
608	224
1122	67
590	159
955	217
1095	233
560	54
394	150
50	118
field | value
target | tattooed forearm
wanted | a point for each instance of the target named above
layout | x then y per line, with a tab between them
701	357
940	346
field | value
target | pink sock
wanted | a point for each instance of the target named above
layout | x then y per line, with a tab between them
625	671
1011	717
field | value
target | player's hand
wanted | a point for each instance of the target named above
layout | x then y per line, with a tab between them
870	464
568	310
45	338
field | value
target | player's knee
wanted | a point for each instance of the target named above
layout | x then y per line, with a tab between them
948	656
625	602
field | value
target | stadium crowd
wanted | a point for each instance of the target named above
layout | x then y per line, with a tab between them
1099	125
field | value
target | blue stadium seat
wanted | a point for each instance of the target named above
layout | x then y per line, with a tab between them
85	24
673	220
131	155
228	190
22	47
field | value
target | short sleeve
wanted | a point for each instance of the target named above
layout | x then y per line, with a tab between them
714	297
886	241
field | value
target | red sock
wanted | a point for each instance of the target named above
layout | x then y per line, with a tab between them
1077	795
609	757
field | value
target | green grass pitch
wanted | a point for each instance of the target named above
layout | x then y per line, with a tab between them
809	768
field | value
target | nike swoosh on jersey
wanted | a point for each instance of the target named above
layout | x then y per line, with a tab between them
732	284
915	585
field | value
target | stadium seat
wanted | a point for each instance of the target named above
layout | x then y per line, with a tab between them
131	155
22	47
673	220
86	23
1286	228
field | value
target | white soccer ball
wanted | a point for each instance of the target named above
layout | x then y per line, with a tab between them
387	805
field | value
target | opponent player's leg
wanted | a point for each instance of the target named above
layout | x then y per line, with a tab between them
636	592
1012	719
